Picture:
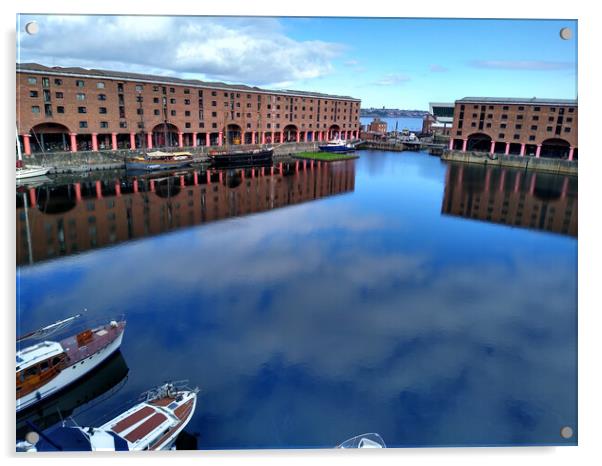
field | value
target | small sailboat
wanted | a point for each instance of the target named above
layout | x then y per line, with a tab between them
370	440
29	171
154	423
46	368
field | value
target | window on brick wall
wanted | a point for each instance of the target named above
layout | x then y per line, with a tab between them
79	83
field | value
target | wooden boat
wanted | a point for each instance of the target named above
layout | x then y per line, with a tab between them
231	158
158	160
152	424
46	368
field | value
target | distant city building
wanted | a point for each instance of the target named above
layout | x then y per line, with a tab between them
439	120
378	126
79	109
532	127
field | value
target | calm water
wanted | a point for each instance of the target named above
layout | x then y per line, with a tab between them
434	304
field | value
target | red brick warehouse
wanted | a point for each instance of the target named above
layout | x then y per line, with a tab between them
75	109
532	127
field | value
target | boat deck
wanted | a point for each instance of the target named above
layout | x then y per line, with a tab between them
99	338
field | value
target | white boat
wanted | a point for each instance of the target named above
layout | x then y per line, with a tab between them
29	171
370	440
152	424
46	368
337	145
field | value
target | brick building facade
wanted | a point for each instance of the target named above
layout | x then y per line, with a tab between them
78	109
526	127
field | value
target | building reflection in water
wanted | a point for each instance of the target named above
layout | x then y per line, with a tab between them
519	198
54	221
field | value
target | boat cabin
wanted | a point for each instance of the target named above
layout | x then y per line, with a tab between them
38	364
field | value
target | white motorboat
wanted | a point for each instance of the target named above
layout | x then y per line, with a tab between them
152	424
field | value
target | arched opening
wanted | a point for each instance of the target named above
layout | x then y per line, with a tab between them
499	148
514	148
167	188
479	142
165	135
50	137
548	187
333	132
56	200
233	134
555	149
290	133
458	144
530	149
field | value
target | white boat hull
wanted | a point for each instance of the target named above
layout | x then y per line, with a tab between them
31	172
69	375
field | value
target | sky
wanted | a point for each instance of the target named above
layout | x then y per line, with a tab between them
388	62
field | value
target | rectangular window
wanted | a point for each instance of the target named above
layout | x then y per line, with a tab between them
32	80
58	82
157	112
79	83
173	113
104	124
119	87
33	93
80	96
102	110
35	109
549	128
81	109
100	85
172	90
83	124
533	128
172	101
187	113
186	91
58	95
60	109
123	124
186	101
536	109
139	88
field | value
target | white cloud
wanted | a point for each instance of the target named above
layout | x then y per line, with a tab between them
392	79
532	65
246	50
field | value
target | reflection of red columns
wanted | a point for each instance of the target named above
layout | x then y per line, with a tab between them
492	150
262	171
149	140
507	148
297	166
298	136
464	145
207	139
522	150
451	144
487	179
133	141
135	186
78	191
565	187
194	139
220	138
98	190
73	142
27	146
114	141
196	178
571	151
117	188
180	139
502	179
221	177
532	186
208	177
152	186
252	173
538	151
281	168
182	184
32	197
242	174
272	170
460	175
311	165
263	138
517	182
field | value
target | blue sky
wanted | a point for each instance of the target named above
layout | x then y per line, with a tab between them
403	63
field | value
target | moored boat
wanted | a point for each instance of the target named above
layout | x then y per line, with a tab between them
30	171
239	158
159	160
337	145
153	423
46	368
